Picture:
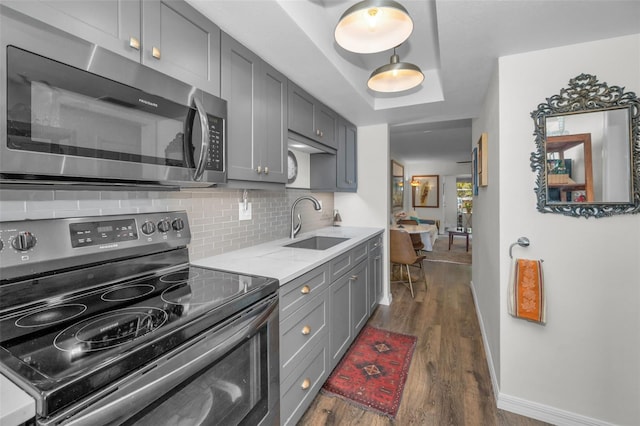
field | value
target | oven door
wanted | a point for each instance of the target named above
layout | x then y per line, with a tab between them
228	375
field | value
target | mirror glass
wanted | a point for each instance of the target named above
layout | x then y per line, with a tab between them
587	156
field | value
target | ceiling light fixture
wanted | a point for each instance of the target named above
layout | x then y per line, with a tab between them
373	26
396	76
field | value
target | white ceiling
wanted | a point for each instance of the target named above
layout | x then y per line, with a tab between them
456	43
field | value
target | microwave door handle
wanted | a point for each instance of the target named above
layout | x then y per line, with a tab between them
204	151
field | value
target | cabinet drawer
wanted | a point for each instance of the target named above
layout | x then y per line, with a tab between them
359	253
340	265
300	331
375	242
298	390
302	289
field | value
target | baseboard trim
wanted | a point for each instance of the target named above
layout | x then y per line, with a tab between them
546	413
487	349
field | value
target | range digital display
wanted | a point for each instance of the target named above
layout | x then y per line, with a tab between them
102	232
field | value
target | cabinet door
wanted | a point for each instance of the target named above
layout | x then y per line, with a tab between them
179	41
239	75
273	134
374	285
340	323
111	24
326	123
358	278
301	111
347	171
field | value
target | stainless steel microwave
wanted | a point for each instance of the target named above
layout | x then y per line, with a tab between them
75	113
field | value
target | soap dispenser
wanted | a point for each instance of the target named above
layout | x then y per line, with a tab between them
337	220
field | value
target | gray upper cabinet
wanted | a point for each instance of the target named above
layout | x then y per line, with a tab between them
346	157
343	163
114	25
177	40
310	118
256	97
186	45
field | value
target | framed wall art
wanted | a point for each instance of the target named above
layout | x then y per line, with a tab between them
483	172
397	184
426	191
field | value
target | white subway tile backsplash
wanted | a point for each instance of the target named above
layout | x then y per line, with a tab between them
213	212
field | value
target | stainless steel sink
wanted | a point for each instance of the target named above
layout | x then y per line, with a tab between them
317	243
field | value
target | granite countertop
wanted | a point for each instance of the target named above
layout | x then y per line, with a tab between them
272	259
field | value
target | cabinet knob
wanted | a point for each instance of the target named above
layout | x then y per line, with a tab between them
306	330
155	52
317	132
321	134
134	43
305	384
266	170
305	289
259	169
354	277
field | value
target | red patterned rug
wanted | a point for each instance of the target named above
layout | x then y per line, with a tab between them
373	372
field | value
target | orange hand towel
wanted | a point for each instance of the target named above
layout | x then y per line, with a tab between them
526	291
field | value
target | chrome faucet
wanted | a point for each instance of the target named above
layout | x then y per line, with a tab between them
296	228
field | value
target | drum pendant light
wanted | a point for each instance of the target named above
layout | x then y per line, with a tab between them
372	26
396	76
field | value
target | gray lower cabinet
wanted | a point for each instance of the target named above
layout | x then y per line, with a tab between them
169	36
304	347
256	97
374	283
321	312
340	323
347	299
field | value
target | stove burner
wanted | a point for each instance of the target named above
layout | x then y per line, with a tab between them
178	277
127	293
51	315
109	329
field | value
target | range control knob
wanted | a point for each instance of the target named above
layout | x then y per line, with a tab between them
177	224
164	225
24	241
148	228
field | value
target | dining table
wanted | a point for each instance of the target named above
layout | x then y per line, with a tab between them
428	233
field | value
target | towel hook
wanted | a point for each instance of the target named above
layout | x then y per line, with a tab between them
522	242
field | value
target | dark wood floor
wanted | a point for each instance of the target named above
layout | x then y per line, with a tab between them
448	382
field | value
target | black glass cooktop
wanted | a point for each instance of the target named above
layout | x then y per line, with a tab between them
64	337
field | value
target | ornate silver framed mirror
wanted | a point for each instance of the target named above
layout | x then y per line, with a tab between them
587	156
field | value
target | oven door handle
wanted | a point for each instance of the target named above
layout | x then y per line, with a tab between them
205	139
118	402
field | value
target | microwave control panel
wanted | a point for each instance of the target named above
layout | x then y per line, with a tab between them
215	157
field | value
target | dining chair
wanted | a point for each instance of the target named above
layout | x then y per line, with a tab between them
402	253
416	240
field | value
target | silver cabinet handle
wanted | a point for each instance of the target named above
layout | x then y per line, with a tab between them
354	277
204	123
155	52
266	170
134	43
259	169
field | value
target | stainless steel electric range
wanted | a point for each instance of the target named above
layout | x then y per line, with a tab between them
104	321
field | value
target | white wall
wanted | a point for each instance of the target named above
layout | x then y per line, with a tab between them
582	367
486	233
371	205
